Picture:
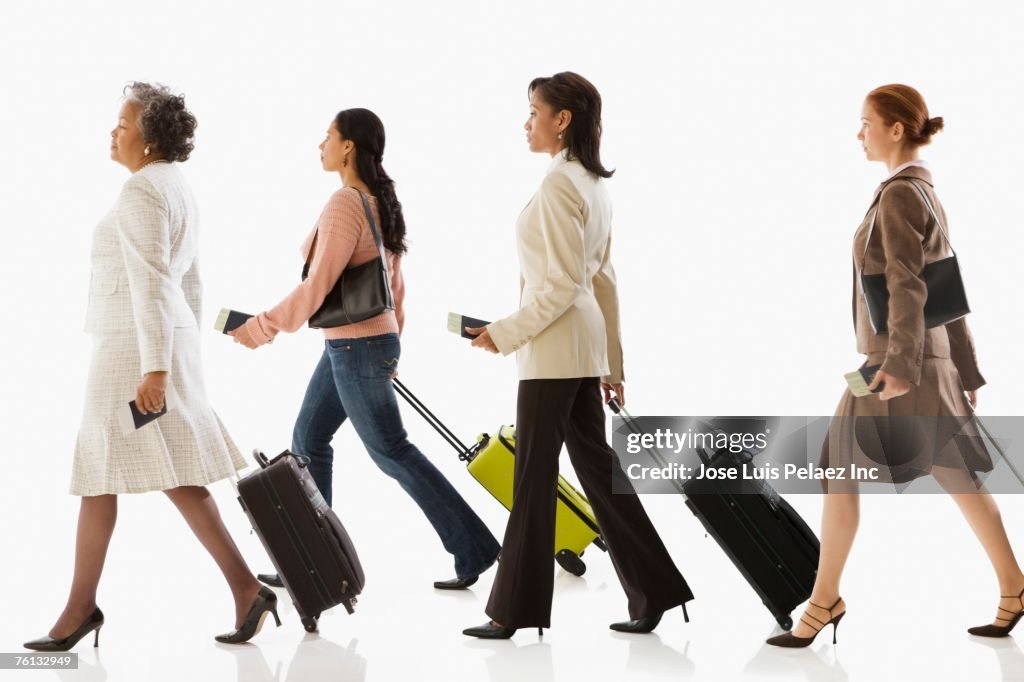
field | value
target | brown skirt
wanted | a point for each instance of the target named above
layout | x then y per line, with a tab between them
910	436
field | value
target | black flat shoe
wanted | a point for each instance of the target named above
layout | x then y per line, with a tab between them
491	630
272	579
93	622
645	624
456	583
265	602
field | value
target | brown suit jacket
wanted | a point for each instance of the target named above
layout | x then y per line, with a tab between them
905	238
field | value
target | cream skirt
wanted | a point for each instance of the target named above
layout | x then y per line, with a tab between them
186	446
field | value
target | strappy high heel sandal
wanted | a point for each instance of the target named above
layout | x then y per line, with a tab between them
791	641
1001	630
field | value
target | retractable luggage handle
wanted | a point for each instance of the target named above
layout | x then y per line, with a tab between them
464	452
264	461
630	422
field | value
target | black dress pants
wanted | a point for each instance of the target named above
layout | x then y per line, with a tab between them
551	412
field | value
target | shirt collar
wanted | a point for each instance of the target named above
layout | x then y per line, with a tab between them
909	164
558	159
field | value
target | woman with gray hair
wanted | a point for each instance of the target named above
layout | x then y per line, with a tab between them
144	313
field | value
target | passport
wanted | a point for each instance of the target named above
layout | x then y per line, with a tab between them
131	419
229	320
862	378
457	324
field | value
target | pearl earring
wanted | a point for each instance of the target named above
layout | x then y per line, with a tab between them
146	150
559	135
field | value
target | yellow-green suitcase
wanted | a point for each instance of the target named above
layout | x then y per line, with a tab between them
491	461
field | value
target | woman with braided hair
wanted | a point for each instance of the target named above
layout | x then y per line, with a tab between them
353	377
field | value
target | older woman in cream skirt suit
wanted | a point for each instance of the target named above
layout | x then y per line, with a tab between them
144	312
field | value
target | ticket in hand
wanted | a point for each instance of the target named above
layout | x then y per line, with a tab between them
861	379
457	324
229	320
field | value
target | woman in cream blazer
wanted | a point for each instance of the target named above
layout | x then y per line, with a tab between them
566	339
567	324
144	311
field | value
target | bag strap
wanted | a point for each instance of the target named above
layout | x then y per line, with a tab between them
377	239
878	204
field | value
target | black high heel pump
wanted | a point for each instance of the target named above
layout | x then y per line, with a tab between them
645	624
265	602
491	630
92	623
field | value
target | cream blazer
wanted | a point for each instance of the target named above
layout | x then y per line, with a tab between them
567	324
145	271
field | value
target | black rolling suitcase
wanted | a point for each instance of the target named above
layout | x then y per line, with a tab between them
765	538
309	547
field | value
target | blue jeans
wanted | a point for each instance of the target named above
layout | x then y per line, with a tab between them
353	381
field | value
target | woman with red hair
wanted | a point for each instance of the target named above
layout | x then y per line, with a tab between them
925	390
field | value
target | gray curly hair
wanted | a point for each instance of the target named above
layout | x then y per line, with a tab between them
163	119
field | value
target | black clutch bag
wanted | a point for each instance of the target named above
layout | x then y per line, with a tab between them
947	300
361	292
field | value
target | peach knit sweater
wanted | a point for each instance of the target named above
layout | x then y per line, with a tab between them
343	239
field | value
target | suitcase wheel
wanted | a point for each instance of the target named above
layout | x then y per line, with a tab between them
309	624
570	562
785	622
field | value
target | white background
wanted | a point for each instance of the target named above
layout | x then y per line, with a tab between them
740	182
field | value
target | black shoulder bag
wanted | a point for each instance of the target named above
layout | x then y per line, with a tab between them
361	292
947	300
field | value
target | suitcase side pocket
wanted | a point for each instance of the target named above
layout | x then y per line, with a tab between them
344	551
335	540
802	534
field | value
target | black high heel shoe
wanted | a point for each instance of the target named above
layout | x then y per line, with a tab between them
791	641
272	579
265	602
645	624
1001	630
491	630
93	622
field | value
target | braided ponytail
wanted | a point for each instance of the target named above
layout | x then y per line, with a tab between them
366	130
